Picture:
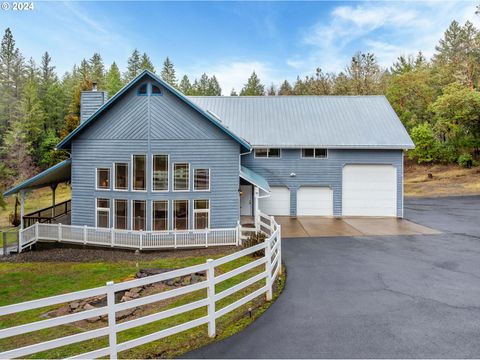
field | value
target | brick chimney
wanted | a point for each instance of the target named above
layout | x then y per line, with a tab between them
91	101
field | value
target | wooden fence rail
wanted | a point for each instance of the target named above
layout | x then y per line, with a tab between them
271	260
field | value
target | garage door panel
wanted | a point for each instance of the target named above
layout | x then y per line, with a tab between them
278	203
369	190
315	200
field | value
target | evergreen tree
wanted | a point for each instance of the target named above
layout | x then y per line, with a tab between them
113	80
168	72
134	66
285	89
233	92
341	84
271	91
146	63
185	86
85	71
97	70
214	88
253	87
47	73
364	74
202	85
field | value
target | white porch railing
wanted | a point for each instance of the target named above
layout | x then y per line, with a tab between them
130	239
271	259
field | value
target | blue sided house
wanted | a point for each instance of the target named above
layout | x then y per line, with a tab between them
150	158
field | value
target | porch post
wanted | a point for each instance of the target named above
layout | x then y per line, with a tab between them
22	209
256	213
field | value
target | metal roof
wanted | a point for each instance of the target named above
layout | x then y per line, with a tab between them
253	178
65	143
308	121
56	174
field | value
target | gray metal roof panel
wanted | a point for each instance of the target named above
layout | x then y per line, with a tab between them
307	121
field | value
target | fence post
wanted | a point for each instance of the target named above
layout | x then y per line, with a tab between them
141	239
174	238
4	237
279	239
211	298
268	268
84	234
206	238
112	332
59	232
237	233
36	231
112	237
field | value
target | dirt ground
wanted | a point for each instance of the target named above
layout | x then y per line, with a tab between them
446	180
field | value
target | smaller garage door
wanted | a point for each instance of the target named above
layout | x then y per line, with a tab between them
315	200
278	203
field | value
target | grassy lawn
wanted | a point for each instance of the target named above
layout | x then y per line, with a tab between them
35	200
448	180
26	281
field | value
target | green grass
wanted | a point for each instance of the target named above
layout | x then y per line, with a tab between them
22	282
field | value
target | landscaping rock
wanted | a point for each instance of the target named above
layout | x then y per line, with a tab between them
74	305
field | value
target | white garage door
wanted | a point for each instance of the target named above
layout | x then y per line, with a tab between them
278	203
369	190
316	200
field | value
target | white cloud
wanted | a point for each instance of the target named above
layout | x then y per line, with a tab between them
388	29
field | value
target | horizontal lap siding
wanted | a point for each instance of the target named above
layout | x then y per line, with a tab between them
322	172
158	125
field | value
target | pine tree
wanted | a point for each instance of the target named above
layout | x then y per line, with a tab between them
47	73
168	72
185	86
97	70
146	63
285	89
85	70
253	87
214	87
202	85
233	92
364	74
271	91
134	66
113	80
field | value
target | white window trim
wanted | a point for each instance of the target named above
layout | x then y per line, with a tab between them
201	211
115	213
173	214
209	180
132	217
314	157
168	215
133	173
103	209
267	157
109	178
173	177
168	174
115	179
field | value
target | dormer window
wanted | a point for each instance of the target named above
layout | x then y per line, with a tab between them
142	90
156	90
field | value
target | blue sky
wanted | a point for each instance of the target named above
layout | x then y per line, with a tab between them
231	39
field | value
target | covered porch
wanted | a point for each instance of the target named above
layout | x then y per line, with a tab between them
252	188
51	178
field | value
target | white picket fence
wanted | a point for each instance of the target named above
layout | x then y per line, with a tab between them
130	239
271	260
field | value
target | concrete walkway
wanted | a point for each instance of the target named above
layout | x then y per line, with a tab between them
413	296
317	226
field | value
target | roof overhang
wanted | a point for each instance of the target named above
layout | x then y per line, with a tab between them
58	173
253	178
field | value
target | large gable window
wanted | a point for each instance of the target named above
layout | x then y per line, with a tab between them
201	214
121	214
160	215
201	180
180	214
103	213
268	153
121	176
314	153
103	179
180	176
139	212
139	172
160	173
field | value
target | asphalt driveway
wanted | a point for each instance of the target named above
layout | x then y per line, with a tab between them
412	296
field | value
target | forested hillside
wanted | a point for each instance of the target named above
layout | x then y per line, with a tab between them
437	99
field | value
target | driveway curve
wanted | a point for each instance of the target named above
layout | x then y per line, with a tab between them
375	297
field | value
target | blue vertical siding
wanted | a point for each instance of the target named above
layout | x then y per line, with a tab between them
156	125
322	172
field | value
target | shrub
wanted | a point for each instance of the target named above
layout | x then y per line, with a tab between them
466	160
255	239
